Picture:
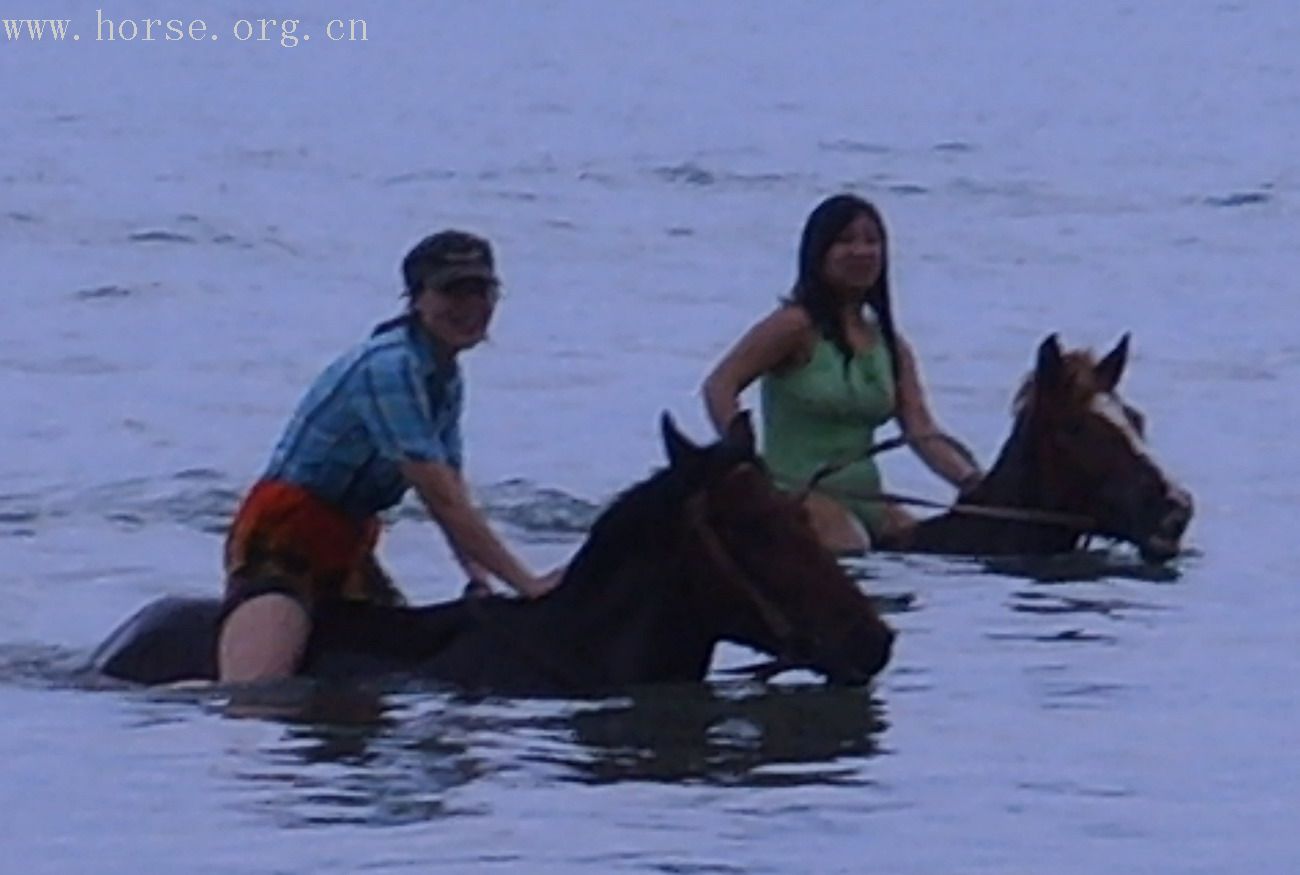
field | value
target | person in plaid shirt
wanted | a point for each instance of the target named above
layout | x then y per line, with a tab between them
381	419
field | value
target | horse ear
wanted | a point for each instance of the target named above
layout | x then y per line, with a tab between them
1051	364
1111	368
740	433
680	450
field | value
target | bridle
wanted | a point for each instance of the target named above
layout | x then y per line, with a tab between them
741	583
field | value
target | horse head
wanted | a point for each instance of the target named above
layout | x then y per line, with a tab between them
759	567
1089	454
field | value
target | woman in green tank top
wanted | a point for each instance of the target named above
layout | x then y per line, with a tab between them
833	368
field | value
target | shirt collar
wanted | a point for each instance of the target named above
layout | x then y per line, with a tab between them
426	350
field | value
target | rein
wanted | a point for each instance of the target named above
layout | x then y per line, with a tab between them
773	617
990	511
1012	514
885	446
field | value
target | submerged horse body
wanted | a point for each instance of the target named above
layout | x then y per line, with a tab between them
703	551
1076	464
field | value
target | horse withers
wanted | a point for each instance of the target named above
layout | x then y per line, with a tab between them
1076	464
705	550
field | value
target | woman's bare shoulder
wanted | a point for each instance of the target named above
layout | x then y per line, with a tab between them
782	338
787	320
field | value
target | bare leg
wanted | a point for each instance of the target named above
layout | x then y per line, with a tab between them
263	639
898	522
380	587
837	528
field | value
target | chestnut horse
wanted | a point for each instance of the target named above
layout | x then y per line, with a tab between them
705	550
1076	464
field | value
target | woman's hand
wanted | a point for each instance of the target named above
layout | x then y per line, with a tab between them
476	589
540	586
968	484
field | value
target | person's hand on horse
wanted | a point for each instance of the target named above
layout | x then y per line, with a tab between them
476	589
540	586
969	484
547	582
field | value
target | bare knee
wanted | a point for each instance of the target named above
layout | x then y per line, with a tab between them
264	638
837	528
898	523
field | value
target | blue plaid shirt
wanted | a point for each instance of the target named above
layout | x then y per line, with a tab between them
382	403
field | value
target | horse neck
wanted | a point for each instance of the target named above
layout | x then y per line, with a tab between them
625	610
1014	481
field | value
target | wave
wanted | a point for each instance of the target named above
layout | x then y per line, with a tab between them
205	500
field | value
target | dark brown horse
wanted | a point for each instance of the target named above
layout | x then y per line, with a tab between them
1076	465
703	551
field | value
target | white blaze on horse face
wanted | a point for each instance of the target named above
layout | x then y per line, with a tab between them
1109	408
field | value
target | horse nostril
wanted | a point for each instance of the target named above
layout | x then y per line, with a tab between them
1177	514
1178	518
882	656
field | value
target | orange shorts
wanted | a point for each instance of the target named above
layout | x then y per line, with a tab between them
285	539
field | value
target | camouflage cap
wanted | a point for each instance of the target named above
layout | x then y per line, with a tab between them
448	256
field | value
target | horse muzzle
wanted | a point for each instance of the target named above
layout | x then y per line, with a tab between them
859	656
1172	517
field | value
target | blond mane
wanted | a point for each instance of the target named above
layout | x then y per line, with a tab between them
1080	380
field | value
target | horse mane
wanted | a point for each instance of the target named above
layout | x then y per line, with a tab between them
643	522
639	521
653	498
1079	376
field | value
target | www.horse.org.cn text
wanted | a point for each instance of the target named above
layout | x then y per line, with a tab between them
285	32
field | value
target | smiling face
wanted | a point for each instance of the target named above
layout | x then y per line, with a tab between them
854	261
457	313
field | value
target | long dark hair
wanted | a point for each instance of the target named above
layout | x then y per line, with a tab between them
408	317
825	224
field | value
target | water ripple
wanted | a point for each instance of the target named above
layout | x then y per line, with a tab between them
693	174
1238	199
1038	602
206	500
159	236
1065	636
101	292
538	510
1082	566
855	147
416	176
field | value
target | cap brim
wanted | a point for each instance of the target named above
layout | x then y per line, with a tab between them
451	274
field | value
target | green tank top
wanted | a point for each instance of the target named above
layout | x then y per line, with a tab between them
817	414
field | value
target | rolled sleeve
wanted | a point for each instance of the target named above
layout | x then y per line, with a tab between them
396	410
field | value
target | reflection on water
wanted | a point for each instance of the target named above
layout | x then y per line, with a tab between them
1036	602
748	736
1063	636
1083	565
352	755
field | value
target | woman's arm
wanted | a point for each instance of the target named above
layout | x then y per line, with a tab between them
775	341
472	539
920	428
